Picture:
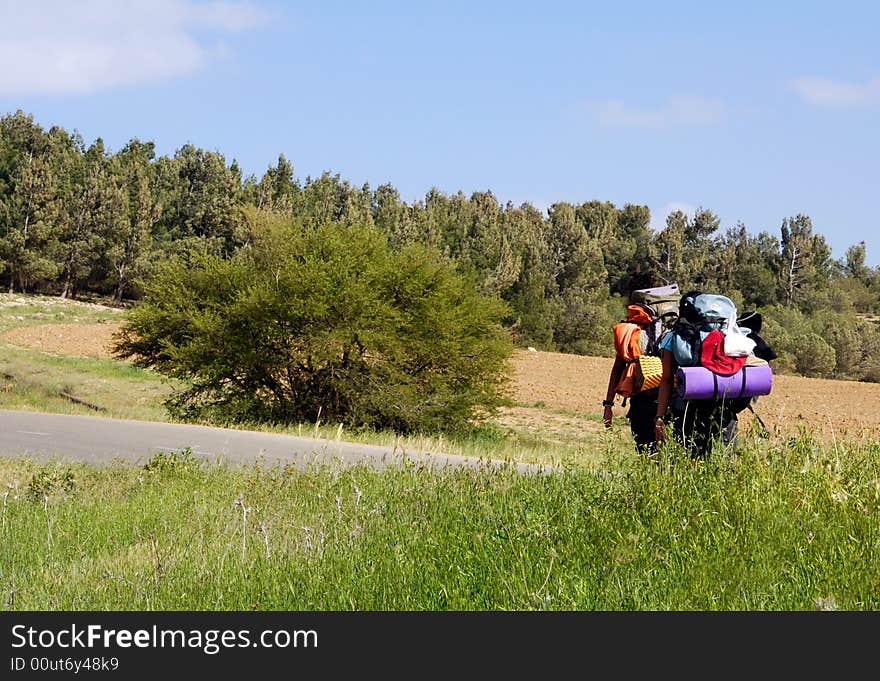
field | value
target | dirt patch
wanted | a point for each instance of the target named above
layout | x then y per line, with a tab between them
77	340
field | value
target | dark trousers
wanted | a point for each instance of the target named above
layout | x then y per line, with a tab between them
702	422
641	415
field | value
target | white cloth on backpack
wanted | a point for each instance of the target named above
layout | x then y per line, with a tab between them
736	343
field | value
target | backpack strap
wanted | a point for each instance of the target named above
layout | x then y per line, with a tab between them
764	431
742	387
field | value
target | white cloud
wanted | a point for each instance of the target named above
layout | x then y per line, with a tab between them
658	218
827	92
56	47
675	112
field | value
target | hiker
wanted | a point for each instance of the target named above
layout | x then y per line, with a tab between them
695	424
641	413
635	373
708	337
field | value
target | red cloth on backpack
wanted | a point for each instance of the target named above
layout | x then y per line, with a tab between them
713	358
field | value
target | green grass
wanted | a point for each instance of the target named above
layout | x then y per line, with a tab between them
27	310
34	380
782	526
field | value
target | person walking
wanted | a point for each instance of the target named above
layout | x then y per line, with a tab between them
694	424
635	374
699	339
641	412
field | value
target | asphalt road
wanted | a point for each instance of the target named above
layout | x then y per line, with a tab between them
98	440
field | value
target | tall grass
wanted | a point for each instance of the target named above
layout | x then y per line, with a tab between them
790	525
34	380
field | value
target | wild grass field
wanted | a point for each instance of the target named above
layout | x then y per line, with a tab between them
782	527
788	523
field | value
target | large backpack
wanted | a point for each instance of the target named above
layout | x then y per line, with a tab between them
637	338
663	300
699	314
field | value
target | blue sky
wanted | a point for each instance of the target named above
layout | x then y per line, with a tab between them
755	110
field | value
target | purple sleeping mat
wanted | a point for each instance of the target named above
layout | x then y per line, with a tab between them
698	383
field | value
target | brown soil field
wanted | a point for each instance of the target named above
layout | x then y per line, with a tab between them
76	340
560	395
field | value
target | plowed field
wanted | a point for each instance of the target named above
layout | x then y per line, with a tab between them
77	340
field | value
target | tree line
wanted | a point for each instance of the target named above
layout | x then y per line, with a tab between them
79	219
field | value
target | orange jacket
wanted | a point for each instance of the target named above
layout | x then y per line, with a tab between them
627	344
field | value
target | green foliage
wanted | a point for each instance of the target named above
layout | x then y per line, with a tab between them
870	365
92	212
277	191
163	463
746	267
854	263
533	324
48	480
848	336
813	356
628	251
129	241
204	195
577	279
323	323
29	214
805	264
823	343
850	294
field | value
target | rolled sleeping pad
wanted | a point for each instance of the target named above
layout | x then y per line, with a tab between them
698	383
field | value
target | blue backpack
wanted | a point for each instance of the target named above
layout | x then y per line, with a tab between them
699	313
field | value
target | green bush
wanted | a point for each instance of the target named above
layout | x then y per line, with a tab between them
823	344
814	356
322	323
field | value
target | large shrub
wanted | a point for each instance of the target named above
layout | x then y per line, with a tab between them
325	322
